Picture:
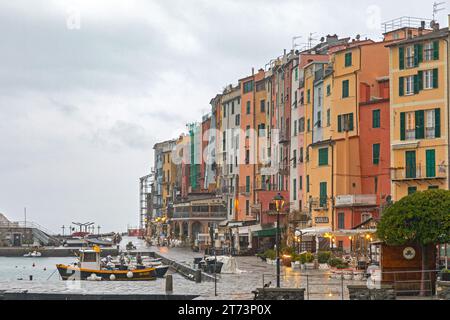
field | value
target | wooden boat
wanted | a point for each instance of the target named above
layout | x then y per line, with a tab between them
89	269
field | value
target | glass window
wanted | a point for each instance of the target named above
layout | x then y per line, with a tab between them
409	85
428	79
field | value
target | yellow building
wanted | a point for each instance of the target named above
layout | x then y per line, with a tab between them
168	179
419	113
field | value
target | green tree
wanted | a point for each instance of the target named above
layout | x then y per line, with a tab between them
422	218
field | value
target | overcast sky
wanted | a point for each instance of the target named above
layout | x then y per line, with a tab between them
87	87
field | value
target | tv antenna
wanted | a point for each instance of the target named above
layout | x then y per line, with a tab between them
311	39
293	42
436	8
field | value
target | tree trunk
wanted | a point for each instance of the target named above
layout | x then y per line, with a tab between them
424	275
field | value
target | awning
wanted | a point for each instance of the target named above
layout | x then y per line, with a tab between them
315	231
266	232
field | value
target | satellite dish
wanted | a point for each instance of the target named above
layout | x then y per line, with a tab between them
358	36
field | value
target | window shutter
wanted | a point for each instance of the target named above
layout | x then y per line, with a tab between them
420	80
416	84
435	78
402	126
376	153
401	56
420	53
339	123
431	163
436	50
351	122
401	84
437	125
420	124
416	55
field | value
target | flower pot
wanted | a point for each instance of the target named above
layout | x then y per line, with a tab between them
309	265
324	266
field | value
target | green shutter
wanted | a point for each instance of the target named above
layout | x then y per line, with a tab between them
350	120
437	125
376	119
436	50
401	85
247	184
420	124
431	163
323	194
416	84
420	80
420	53
401	57
323	157
410	164
339	123
435	78
376	153
307	183
348	59
345	89
402	126
416	55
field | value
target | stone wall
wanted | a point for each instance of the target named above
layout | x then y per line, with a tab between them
279	294
362	292
443	290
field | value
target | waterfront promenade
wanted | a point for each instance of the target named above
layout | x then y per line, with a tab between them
229	286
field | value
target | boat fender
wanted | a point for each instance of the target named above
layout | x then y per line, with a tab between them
130	274
112	277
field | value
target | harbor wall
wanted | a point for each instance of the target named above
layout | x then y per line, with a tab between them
50	252
24	295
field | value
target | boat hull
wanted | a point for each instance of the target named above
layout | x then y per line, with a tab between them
74	273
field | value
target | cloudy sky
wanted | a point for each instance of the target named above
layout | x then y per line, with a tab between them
87	87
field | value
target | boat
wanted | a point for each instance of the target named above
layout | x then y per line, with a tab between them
33	254
89	268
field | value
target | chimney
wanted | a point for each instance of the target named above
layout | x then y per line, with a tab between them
253	71
284	52
449	20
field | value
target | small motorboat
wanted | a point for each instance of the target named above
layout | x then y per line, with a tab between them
33	254
89	268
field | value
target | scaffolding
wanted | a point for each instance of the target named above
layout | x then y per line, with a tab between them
145	187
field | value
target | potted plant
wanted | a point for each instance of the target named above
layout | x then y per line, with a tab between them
270	255
340	270
309	260
445	275
323	257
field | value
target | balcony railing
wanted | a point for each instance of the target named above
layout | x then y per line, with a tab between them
419	172
356	200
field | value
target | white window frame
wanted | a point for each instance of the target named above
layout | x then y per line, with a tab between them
428	51
410	125
428	79
430	119
409	57
409	85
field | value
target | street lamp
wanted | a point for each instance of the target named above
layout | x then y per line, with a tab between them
279	204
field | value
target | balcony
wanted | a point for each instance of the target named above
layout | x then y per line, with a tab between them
355	200
419	172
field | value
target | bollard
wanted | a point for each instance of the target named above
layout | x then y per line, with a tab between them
31	278
169	283
198	276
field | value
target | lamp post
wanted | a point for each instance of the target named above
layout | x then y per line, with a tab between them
279	203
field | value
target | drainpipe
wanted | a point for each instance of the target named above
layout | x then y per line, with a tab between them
448	116
332	186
